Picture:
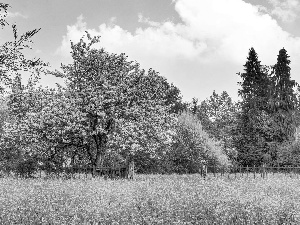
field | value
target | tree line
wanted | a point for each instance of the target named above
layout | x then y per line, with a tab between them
110	111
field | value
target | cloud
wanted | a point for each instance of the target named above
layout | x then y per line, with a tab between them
286	10
16	14
204	52
163	40
147	21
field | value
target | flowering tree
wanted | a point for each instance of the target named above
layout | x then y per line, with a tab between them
108	104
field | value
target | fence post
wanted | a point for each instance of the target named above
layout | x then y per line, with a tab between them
94	171
130	172
234	171
73	172
229	170
240	169
284	170
254	171
214	169
260	170
247	170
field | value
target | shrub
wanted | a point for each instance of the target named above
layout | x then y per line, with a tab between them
26	168
289	153
192	144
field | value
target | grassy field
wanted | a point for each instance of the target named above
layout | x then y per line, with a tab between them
151	199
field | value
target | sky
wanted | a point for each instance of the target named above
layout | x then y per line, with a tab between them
198	45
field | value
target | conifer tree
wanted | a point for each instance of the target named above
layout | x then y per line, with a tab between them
283	100
250	141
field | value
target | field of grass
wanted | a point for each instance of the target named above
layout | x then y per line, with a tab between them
151	199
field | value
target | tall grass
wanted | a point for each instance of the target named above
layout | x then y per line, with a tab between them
173	199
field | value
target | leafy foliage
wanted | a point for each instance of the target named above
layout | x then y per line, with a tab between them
13	62
111	111
13	65
192	144
218	117
289	153
3	14
108	105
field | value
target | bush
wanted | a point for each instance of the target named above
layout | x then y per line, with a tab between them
26	168
289	153
192	144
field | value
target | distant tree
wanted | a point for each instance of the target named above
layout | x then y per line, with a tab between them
217	116
174	99
194	106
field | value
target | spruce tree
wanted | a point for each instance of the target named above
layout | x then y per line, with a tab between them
283	99
250	141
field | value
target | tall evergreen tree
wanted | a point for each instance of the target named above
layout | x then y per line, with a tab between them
250	142
283	99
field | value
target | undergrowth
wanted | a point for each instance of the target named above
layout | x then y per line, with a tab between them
151	199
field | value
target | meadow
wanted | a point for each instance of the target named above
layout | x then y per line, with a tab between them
151	199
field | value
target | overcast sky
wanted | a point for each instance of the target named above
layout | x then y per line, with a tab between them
199	45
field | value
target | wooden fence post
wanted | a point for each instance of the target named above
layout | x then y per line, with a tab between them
214	169
263	171
260	170
284	170
229	171
254	171
130	170
247	171
94	171
234	171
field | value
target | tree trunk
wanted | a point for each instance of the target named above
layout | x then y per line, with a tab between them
88	150
100	142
